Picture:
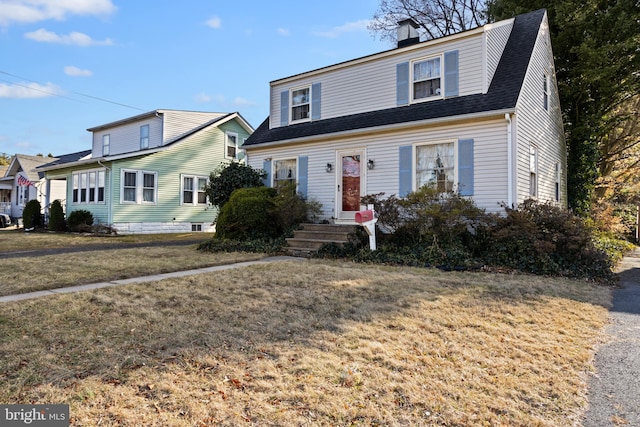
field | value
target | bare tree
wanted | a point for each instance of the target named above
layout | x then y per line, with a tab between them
436	18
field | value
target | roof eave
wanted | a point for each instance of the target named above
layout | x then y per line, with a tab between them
384	128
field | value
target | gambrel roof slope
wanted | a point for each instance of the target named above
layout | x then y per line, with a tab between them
502	95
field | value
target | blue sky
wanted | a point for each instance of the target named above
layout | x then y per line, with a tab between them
68	65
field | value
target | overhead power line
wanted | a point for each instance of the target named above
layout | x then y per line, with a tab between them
63	96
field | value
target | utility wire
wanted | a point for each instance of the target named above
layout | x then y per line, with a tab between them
62	96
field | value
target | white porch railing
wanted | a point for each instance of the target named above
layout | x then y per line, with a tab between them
5	208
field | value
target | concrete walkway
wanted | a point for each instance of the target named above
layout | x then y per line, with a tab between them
152	278
614	390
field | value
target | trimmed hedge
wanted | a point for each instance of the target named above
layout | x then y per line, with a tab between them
31	216
56	217
79	220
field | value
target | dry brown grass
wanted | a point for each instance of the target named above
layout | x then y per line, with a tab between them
27	274
12	239
309	344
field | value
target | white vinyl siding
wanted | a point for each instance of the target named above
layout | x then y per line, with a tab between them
177	123
127	138
490	160
544	128
163	128
371	84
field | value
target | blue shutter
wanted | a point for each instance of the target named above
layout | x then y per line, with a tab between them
315	101
284	108
402	83
406	171
465	167
266	165
451	73
303	173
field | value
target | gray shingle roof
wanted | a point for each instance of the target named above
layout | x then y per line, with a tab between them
68	158
502	94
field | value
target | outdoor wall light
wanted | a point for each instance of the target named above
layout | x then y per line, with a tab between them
329	167
371	164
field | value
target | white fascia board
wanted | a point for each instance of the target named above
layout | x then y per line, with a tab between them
387	128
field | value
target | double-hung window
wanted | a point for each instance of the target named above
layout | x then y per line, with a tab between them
231	145
300	104
144	137
435	166
285	172
83	188
533	171
426	78
545	92
194	190
88	186
76	186
558	179
139	187
106	144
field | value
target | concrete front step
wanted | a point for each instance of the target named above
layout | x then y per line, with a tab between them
311	237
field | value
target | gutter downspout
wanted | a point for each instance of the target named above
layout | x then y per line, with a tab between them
507	117
109	219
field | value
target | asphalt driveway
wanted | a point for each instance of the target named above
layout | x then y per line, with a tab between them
614	390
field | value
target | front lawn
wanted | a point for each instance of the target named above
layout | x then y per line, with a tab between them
314	343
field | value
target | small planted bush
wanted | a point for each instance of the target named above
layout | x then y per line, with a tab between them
249	214
450	232
542	238
56	217
31	216
80	220
261	217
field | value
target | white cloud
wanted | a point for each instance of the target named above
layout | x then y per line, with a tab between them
28	90
30	11
70	70
242	102
74	38
214	22
349	27
202	98
284	32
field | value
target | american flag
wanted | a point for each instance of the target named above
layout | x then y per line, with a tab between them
23	181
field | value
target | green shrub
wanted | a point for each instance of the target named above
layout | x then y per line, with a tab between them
31	216
614	247
291	209
249	214
229	177
450	232
56	217
80	220
431	228
542	238
263	213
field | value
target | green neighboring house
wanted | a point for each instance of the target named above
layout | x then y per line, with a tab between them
147	173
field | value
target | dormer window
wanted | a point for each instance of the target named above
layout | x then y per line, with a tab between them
300	104
106	143
144	137
426	78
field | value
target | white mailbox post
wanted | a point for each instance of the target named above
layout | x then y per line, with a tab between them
368	220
